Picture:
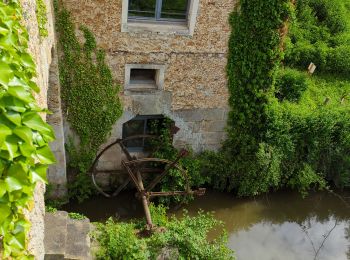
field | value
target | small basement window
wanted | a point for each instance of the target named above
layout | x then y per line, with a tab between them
143	76
142	125
140	77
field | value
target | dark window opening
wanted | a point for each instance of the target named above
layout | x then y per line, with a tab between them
143	76
158	9
142	125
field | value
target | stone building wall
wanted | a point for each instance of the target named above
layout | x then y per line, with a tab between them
194	93
40	50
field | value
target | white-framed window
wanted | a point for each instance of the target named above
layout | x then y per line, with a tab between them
143	77
158	10
161	16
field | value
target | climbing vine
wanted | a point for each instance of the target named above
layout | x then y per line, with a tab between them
254	55
41	16
24	136
286	128
90	96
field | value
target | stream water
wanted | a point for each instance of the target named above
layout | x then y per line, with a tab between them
278	226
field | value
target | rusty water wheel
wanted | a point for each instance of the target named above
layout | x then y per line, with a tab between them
117	188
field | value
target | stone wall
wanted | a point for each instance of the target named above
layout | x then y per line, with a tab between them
40	50
194	93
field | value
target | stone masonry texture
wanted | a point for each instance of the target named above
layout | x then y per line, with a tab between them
40	50
194	93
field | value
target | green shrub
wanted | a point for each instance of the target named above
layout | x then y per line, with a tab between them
119	241
175	179
273	143
320	140
77	216
188	235
301	55
331	14
290	85
320	34
338	61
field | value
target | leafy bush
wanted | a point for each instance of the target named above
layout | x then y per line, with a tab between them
290	85
188	235
77	216
316	142
119	241
320	34
338	60
331	14
175	180
282	143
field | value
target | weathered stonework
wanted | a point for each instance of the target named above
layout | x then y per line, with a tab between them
194	93
57	176
40	50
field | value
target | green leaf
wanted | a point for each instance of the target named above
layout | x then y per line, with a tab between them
10	146
6	73
38	174
34	86
38	139
12	103
14	117
18	241
4	131
27	149
35	122
2	189
21	93
8	41
24	133
3	30
19	172
12	184
45	155
27	60
5	212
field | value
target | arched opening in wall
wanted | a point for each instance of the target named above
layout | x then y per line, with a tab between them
142	126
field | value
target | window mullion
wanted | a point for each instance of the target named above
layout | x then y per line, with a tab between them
158	9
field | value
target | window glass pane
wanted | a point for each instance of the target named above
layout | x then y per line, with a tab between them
142	8
142	76
131	128
174	9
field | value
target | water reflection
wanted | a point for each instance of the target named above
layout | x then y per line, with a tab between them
289	241
282	226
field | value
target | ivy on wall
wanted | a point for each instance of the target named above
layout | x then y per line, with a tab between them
286	128
90	96
24	136
41	16
254	56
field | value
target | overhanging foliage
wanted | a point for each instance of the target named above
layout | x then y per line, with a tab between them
24	136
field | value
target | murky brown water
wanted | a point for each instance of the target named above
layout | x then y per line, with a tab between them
279	226
282	226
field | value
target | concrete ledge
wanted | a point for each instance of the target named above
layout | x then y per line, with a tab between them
78	240
55	234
